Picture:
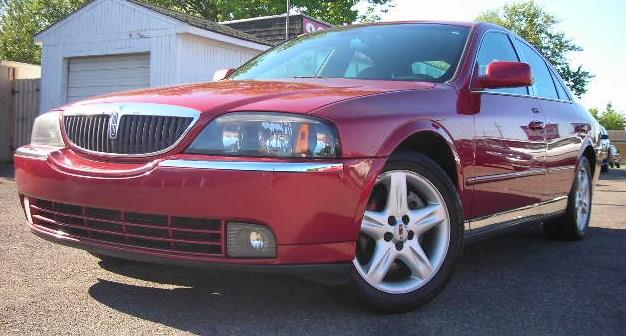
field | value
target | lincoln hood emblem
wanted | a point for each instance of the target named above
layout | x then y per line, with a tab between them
114	123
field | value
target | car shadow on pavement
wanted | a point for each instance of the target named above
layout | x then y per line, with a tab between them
510	283
613	174
6	171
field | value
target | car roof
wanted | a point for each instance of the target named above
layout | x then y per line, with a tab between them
471	25
443	22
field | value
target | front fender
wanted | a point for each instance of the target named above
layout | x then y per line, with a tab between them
422	127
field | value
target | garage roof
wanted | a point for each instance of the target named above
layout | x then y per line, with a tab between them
202	23
190	20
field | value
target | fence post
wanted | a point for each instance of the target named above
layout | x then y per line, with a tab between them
25	110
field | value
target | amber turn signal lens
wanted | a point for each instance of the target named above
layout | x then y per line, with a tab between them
302	142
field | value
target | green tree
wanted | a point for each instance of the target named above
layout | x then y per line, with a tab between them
20	20
595	113
610	118
336	12
538	27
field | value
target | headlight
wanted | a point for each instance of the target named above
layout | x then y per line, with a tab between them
267	134
47	130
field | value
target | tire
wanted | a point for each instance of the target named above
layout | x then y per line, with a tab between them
441	223
573	225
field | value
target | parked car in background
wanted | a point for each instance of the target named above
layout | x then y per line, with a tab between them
605	145
377	149
615	157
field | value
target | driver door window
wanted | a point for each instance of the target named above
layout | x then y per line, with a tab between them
498	47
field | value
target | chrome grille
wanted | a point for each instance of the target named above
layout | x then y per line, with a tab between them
136	134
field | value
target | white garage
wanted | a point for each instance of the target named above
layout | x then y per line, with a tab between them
118	45
95	75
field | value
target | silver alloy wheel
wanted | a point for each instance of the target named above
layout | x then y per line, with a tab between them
412	232
582	199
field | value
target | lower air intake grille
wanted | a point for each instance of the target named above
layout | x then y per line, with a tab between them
175	235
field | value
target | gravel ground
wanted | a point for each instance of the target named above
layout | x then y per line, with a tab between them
515	283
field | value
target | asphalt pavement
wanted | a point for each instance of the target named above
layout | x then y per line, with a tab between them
513	283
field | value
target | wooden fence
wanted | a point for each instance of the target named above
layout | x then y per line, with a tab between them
25	110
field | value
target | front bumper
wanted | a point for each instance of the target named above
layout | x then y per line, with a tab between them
313	209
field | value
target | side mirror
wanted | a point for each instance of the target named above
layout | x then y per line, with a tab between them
505	75
221	74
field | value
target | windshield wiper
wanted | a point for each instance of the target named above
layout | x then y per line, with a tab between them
308	77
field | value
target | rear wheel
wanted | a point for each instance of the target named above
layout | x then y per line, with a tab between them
411	235
573	225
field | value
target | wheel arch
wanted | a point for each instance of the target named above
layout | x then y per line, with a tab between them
590	153
431	139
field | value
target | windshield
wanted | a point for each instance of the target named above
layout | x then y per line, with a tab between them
409	52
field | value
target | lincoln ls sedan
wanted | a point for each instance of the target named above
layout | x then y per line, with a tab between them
371	149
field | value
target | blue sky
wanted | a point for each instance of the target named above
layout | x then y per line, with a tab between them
599	27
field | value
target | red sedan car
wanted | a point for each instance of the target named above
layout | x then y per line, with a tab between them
378	149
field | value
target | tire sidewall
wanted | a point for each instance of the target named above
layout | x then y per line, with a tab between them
427	168
571	208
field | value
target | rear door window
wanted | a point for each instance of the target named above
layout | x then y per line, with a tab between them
543	85
560	87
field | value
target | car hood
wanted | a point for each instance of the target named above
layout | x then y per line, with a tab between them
294	95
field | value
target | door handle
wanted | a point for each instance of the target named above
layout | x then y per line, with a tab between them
582	128
535	110
536	125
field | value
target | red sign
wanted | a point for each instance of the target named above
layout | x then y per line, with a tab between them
310	26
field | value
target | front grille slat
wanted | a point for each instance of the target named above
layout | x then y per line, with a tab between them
164	130
157	132
81	132
169	234
88	129
102	135
136	134
96	138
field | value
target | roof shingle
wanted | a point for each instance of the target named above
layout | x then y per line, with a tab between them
202	23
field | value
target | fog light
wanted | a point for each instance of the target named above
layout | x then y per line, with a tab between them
250	241
257	240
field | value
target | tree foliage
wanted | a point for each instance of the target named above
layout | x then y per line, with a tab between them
336	12
538	27
21	20
610	118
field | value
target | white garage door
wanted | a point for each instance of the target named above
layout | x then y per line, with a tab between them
92	76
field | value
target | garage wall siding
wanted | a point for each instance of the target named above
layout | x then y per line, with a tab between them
199	58
89	32
178	53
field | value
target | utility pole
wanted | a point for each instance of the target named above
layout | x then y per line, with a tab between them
287	21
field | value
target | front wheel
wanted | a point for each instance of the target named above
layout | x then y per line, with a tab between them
411	235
